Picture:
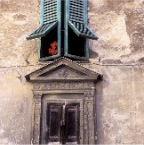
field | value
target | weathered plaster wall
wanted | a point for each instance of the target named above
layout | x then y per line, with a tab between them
118	55
120	105
120	27
18	19
120	49
17	58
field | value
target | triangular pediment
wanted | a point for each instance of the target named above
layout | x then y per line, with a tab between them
62	69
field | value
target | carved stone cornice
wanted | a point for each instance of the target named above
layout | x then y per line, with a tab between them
62	70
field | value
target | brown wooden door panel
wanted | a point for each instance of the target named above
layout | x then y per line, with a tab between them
62	123
72	116
54	113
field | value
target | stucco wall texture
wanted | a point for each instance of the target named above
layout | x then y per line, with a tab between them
118	55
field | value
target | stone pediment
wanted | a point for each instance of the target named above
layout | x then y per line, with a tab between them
62	69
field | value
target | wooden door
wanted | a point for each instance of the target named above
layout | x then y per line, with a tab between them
62	123
72	126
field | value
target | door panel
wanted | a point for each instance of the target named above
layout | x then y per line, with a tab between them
54	112
62	122
72	122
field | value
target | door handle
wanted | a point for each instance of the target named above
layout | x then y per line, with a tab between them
62	122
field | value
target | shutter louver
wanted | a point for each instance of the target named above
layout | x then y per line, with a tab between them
72	123
77	19
54	117
49	21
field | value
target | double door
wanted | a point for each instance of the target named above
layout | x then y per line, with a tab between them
60	123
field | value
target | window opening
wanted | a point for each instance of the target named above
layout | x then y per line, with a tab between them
64	30
49	46
76	44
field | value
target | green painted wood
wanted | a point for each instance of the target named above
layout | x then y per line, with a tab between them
59	28
66	27
78	19
42	30
76	57
39	49
86	23
41	11
75	17
74	10
48	18
58	39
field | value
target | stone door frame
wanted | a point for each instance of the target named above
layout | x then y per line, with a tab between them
86	98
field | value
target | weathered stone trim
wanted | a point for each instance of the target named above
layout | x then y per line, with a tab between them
71	85
37	113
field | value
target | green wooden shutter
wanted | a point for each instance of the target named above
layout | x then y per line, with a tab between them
77	18
77	31
72	116
49	18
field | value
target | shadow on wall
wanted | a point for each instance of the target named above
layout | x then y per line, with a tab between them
93	54
100	109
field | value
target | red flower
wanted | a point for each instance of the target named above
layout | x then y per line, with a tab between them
53	50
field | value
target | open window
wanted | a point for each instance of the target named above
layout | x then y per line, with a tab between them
50	30
64	30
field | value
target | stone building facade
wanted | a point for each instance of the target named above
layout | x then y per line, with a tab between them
118	55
